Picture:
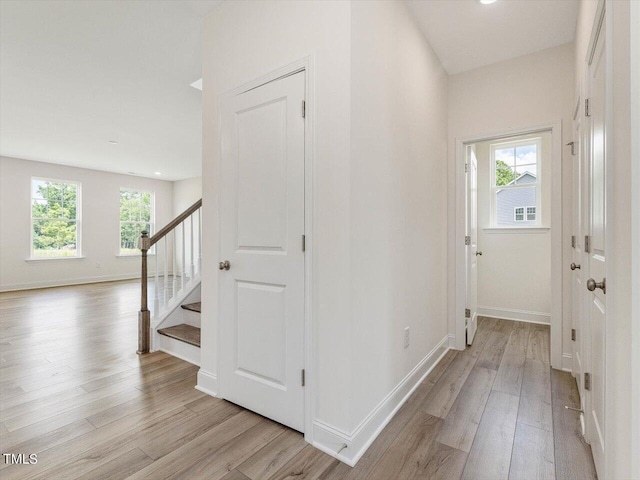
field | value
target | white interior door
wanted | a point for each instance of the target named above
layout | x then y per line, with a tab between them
472	248
261	323
578	292
596	255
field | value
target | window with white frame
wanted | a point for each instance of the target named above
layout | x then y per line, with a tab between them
515	183
136	215
55	218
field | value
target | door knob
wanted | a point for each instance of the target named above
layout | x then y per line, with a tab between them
224	265
478	253
592	285
575	267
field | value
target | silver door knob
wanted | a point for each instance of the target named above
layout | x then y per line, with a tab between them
575	267
592	285
224	265
478	253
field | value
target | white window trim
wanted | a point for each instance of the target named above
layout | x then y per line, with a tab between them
152	221
493	189
78	219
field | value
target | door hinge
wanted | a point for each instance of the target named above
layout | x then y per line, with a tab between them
587	381
573	334
467	240
587	111
573	147
467	313
587	244
304	243
466	168
303	378
304	109
573	241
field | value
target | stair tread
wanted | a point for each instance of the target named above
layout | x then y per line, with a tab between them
194	307
185	333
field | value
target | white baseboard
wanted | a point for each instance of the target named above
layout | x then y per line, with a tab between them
348	448
207	383
516	315
66	283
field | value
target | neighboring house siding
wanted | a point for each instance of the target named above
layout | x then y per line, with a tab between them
507	200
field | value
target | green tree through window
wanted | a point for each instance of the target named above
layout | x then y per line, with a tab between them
54	218
135	216
504	174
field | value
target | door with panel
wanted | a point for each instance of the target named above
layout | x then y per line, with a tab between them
471	240
262	223
596	252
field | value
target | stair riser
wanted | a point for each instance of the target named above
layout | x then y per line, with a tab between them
191	318
177	348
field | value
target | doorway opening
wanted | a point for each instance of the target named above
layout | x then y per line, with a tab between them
510	223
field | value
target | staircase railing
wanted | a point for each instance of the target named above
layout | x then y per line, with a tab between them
181	251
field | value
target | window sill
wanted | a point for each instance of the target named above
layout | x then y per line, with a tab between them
516	229
46	259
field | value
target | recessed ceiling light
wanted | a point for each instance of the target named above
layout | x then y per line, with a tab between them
487	2
113	142
158	173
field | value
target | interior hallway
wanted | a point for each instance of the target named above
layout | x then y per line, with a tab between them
73	391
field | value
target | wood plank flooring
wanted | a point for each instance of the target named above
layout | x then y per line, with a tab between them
73	392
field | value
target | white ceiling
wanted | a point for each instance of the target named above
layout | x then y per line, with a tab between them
466	34
76	74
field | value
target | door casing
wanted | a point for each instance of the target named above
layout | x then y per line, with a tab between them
457	303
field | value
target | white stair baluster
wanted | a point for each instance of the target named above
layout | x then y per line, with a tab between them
174	255
166	272
199	240
156	289
191	245
184	257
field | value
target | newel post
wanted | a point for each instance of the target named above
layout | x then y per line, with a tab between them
144	315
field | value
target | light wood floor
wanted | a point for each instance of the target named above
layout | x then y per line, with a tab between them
74	392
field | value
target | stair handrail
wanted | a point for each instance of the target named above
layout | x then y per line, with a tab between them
144	244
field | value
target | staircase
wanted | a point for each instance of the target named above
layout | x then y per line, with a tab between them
172	324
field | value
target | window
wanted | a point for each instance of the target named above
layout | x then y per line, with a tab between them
515	183
55	215
519	214
136	215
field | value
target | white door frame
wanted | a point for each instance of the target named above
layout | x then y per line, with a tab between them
305	64
457	304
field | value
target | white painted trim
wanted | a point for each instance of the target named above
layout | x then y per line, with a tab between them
457	302
65	283
516	315
508	230
177	348
331	440
567	362
46	259
207	383
306	64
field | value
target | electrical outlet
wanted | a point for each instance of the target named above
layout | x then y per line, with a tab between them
407	333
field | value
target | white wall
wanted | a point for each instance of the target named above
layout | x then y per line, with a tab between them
514	271
100	225
377	110
244	41
398	193
531	90
186	193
